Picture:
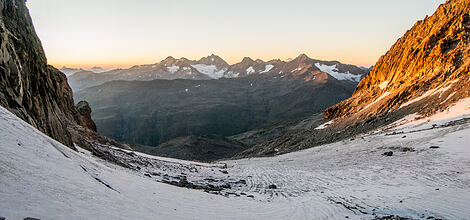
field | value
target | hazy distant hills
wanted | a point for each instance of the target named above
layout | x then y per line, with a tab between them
214	67
70	71
152	112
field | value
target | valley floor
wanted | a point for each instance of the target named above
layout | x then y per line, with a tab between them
428	175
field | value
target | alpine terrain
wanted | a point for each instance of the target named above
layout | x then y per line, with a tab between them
272	94
396	149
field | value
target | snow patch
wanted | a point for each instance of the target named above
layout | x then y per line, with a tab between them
267	68
439	90
460	108
384	84
173	69
333	71
377	100
297	69
450	96
210	70
324	125
250	70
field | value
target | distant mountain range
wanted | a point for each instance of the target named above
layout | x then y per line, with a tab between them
219	99
214	67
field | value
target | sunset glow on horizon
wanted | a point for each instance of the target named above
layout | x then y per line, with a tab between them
120	34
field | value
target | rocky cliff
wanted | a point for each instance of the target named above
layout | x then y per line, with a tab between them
424	72
34	91
432	56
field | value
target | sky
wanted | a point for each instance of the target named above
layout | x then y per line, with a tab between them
123	33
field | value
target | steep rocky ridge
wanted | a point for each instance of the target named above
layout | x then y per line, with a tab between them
424	72
433	54
31	89
34	91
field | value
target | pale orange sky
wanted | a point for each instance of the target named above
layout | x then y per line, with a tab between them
120	33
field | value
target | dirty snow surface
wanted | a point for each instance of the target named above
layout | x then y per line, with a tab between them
428	175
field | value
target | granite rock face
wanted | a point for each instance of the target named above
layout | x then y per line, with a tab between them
34	91
425	72
435	53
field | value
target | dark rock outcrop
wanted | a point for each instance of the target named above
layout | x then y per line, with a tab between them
83	117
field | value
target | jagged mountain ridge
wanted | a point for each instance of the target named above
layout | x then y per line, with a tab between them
252	94
214	67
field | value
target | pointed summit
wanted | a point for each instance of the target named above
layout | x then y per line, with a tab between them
168	61
247	60
214	60
169	58
183	59
302	57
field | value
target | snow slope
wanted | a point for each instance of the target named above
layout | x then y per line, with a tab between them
44	179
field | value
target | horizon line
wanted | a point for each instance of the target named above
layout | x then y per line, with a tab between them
129	65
